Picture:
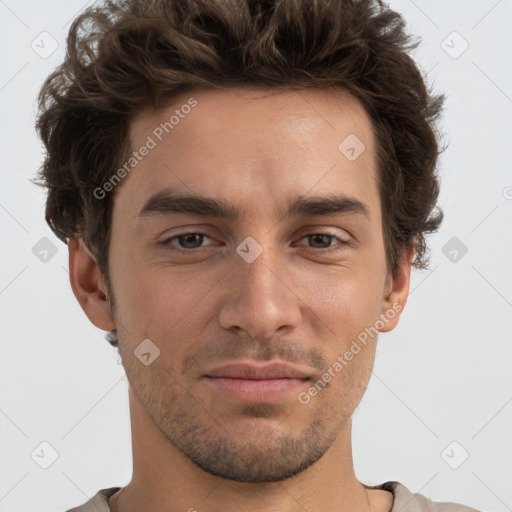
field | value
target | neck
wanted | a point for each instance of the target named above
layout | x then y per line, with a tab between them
165	480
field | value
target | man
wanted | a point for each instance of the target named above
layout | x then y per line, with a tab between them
244	187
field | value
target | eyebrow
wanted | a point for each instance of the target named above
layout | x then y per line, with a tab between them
168	202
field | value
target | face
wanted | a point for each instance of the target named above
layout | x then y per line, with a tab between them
249	282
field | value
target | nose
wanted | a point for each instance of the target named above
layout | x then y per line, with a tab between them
261	297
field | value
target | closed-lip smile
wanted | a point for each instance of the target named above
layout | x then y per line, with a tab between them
274	370
257	383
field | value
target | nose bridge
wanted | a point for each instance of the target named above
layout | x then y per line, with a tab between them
260	300
259	278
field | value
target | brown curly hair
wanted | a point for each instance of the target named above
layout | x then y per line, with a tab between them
125	56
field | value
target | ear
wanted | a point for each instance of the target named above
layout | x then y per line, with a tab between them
396	292
89	286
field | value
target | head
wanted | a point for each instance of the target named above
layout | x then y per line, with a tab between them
302	125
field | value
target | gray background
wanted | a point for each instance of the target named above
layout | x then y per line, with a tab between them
442	383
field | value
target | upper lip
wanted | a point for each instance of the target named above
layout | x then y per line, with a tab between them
273	370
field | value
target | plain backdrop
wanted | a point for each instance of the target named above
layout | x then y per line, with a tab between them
437	414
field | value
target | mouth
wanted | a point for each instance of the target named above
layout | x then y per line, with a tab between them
254	383
256	390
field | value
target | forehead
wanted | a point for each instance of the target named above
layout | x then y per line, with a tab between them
254	145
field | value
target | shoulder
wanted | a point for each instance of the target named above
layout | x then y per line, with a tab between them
407	501
98	503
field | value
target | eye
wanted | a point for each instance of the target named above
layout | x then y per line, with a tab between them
188	243
326	238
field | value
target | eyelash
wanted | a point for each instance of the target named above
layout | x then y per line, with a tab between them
167	243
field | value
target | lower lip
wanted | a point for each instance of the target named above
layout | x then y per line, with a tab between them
253	390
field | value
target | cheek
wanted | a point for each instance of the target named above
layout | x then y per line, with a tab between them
159	302
351	310
346	300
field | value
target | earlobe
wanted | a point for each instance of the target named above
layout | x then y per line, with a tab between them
88	285
397	292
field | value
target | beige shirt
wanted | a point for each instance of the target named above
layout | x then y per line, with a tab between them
403	501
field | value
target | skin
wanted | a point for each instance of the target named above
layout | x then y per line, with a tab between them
194	447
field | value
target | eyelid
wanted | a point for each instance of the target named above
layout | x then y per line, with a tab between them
169	238
342	243
314	229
